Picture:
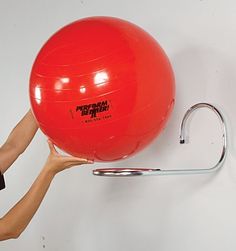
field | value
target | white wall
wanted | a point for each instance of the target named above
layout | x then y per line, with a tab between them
84	212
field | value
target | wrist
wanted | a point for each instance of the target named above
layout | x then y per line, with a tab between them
47	171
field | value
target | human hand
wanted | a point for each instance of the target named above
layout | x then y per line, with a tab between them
57	162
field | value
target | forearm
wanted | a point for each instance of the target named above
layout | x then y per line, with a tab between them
22	134
17	141
7	157
17	219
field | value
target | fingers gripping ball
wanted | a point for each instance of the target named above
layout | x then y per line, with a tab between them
101	88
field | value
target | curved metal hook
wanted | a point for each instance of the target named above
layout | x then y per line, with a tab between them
121	172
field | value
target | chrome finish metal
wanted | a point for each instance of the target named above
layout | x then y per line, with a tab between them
123	172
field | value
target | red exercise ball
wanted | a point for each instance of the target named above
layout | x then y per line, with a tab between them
101	88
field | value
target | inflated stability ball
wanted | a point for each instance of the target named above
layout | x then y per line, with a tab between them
101	88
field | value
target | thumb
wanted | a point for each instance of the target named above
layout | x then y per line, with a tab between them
51	146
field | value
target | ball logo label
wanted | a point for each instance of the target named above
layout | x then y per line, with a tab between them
92	111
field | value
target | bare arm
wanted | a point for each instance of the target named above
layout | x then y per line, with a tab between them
17	141
17	219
